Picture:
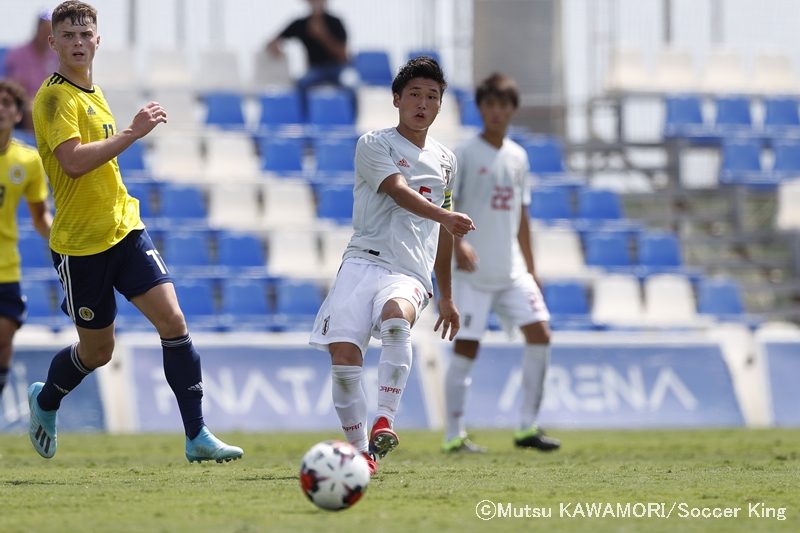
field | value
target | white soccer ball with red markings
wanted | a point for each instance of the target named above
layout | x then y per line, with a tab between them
334	475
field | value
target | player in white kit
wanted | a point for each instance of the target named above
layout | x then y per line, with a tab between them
403	184
494	265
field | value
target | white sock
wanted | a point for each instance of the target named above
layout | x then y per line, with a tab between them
351	404
534	370
456	386
394	366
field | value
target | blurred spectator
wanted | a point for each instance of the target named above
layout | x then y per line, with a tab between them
325	41
29	64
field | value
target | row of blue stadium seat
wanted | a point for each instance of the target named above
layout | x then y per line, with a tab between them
223	253
255	303
287	305
570	306
685	118
233	253
333	154
742	162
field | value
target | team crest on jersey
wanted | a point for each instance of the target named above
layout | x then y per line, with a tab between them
16	174
86	314
325	325
447	173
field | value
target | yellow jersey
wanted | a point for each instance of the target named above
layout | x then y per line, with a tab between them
21	176
93	211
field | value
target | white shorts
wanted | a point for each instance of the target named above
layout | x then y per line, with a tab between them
520	304
352	310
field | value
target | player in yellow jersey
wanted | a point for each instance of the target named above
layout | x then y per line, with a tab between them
98	240
21	176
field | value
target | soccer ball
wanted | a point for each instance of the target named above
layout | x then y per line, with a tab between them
334	475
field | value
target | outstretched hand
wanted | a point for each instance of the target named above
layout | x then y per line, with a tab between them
148	117
458	224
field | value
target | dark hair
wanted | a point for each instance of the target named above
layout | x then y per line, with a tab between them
77	12
419	67
500	86
16	91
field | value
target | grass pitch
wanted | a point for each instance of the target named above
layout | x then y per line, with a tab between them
143	483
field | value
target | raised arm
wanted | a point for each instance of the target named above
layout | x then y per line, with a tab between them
397	188
78	159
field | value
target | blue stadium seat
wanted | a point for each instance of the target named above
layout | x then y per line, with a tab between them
297	303
280	109
470	115
42	302
144	193
224	110
40	299
545	155
335	154
607	249
599	204
660	252
741	163
245	304
281	155
659	249
568	305
335	202
34	251
241	252
430	53
551	204
733	116
787	158
187	252
245	297
331	108
182	203
781	116
131	160
373	67
684	118
196	299
719	297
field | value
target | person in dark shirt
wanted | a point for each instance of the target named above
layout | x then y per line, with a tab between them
325	40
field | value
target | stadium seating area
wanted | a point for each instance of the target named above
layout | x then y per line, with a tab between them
250	202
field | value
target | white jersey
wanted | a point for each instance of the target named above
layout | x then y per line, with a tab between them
384	232
492	187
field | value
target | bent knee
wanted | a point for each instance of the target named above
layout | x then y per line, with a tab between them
172	325
345	353
537	333
96	356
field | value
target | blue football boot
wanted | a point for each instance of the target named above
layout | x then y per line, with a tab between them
42	430
206	447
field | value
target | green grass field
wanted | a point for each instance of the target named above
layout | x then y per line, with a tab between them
143	483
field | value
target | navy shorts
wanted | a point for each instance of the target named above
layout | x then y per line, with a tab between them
132	266
12	304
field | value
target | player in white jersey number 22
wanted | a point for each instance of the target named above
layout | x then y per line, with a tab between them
495	267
